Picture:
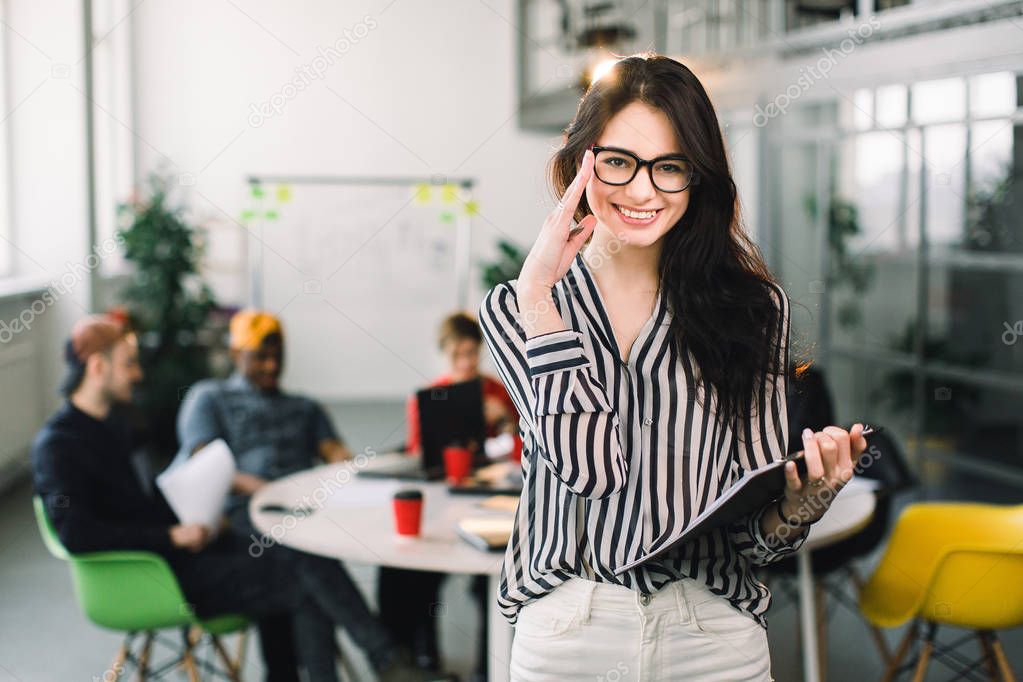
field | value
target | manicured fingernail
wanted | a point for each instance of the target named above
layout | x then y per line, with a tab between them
807	433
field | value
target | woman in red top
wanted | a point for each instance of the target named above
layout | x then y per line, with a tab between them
409	601
460	339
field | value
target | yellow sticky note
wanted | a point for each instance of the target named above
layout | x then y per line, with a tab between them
472	207
283	194
449	193
422	193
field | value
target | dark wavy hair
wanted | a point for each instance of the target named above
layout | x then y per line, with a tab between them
725	303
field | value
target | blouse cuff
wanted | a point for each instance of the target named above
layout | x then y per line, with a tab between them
555	352
775	545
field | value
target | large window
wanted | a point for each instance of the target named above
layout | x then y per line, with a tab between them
112	119
911	195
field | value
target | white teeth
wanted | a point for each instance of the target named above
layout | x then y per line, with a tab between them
638	215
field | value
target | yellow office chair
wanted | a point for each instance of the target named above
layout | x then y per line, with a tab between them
957	564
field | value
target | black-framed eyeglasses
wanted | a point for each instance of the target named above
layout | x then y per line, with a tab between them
670	173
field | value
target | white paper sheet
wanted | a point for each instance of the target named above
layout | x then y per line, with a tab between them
197	487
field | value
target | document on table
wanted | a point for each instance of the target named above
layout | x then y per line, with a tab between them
197	487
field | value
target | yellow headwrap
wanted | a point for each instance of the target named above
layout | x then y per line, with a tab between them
250	327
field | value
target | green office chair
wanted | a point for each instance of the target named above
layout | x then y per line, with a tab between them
136	593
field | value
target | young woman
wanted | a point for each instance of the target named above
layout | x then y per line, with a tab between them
650	370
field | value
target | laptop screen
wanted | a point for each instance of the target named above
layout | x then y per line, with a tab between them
451	415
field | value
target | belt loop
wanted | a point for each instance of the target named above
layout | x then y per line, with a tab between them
587	600
681	599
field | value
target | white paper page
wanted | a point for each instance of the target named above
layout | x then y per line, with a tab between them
197	487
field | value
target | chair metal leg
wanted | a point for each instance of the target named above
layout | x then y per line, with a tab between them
820	598
900	653
925	654
143	664
1003	662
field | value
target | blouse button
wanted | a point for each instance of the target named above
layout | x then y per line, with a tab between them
648	421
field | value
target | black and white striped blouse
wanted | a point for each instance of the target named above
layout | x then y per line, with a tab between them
619	455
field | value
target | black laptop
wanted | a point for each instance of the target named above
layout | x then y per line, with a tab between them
448	415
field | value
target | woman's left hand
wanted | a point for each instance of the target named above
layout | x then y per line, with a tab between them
830	455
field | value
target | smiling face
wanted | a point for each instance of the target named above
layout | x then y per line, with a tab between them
647	133
262	367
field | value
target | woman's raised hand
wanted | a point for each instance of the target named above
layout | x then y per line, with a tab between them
830	457
557	244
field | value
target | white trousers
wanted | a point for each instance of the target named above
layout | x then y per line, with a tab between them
599	632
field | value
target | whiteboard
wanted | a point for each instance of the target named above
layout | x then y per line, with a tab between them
361	276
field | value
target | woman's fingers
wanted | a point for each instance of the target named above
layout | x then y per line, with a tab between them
829	454
576	239
812	453
857	440
570	200
792	480
843	463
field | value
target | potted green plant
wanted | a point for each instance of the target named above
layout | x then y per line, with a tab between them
168	304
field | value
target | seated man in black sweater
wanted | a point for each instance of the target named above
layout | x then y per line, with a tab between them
82	471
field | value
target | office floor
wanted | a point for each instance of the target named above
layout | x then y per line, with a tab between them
44	638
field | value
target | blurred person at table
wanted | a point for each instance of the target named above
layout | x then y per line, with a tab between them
460	340
408	599
81	469
272	434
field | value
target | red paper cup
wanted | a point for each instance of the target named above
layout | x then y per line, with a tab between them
516	452
408	511
457	463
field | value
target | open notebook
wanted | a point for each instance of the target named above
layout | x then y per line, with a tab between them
486	533
751	492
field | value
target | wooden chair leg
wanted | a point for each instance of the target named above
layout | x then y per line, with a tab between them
230	668
900	653
243	644
190	636
120	657
988	654
1003	662
875	632
925	654
188	661
143	667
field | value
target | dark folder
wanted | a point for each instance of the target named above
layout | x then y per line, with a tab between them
751	492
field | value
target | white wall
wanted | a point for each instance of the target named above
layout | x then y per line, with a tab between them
429	89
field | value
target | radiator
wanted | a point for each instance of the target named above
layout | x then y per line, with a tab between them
19	407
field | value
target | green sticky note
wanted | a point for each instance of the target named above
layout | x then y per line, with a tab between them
447	216
472	207
257	191
284	194
271	215
449	193
422	193
248	215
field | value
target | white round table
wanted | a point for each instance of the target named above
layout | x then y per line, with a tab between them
353	521
850	512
